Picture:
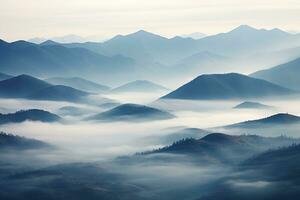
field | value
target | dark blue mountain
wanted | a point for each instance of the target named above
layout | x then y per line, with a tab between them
286	74
21	86
227	86
28	115
133	112
59	93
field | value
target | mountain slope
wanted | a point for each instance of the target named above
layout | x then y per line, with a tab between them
31	115
78	83
227	86
139	86
4	76
278	119
133	112
21	86
13	142
222	147
59	93
286	74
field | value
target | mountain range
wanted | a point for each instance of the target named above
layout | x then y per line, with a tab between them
227	86
53	60
150	56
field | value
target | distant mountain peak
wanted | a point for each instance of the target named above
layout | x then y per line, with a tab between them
143	33
243	28
49	42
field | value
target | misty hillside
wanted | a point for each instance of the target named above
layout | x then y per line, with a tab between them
78	83
73	111
139	86
59	93
278	119
132	112
13	142
28	115
201	62
225	148
286	74
252	105
227	86
4	76
21	86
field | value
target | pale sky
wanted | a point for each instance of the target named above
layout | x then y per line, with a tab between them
23	19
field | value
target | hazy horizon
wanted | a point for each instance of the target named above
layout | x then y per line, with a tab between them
102	19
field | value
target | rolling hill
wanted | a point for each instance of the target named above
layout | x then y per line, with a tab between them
252	105
28	115
227	86
132	112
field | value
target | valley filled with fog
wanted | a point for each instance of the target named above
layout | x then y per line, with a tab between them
141	116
